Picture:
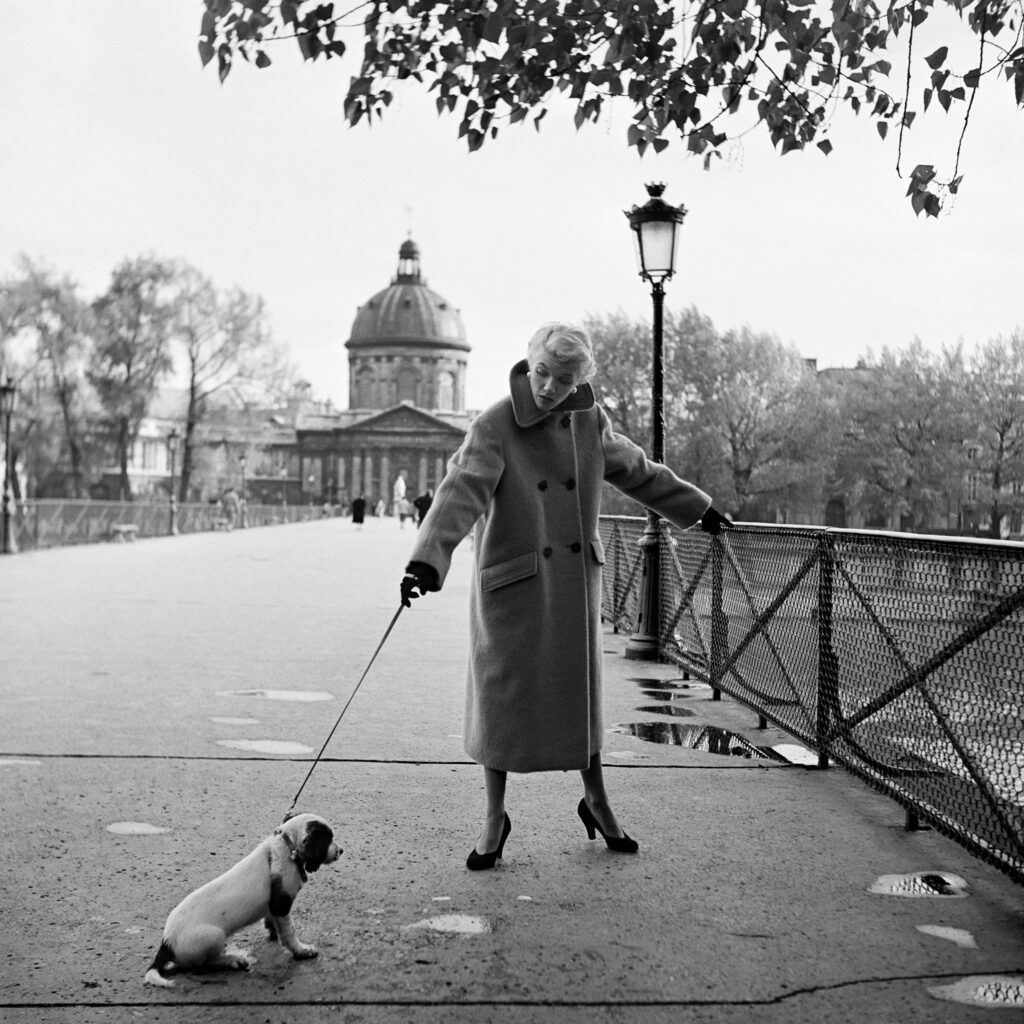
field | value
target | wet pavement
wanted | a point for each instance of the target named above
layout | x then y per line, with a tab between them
160	704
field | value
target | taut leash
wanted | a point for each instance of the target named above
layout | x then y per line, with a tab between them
383	640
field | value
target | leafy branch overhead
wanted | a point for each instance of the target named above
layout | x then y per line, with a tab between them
691	72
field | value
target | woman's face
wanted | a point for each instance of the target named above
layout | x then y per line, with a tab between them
550	383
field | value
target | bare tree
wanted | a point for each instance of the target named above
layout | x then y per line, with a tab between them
997	391
227	348
132	349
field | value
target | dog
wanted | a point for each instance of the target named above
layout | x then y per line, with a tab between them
262	885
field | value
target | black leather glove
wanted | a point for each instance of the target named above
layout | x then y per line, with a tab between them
421	575
713	521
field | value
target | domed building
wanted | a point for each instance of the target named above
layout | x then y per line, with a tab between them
407	355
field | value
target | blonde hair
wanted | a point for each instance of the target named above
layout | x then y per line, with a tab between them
568	346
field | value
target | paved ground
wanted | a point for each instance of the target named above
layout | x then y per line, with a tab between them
135	679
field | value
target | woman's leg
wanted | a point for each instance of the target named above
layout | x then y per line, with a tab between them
597	798
490	834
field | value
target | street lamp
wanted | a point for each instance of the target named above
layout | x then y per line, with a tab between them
655	227
8	394
284	493
172	447
242	460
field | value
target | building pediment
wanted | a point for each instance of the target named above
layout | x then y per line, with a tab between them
402	419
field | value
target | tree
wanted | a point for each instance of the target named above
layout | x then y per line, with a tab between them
686	69
756	431
904	435
997	391
622	347
227	349
131	351
60	324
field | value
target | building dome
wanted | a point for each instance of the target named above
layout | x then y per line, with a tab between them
407	344
407	312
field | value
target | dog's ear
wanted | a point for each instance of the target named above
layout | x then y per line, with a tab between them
315	844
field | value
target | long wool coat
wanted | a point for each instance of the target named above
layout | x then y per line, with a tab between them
530	481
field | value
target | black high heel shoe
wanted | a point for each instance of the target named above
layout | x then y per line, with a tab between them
618	844
482	861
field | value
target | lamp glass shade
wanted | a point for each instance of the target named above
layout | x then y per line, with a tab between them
656	242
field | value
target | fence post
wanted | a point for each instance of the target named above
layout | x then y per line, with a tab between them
828	663
719	620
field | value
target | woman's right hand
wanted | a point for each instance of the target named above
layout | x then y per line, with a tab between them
417	575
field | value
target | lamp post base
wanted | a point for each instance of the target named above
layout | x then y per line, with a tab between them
643	645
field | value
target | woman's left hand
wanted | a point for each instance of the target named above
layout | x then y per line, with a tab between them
714	522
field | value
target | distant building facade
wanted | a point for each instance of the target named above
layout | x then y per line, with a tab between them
407	356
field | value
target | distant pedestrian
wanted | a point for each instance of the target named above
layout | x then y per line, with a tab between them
358	511
230	505
528	480
422	505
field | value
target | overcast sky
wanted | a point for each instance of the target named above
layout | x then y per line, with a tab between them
115	143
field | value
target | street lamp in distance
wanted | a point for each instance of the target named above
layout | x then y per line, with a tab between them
8	397
172	447
655	227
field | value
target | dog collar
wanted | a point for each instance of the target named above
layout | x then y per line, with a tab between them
294	855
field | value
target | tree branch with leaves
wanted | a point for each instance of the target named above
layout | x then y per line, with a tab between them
687	71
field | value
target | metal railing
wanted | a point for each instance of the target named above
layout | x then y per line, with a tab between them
49	523
897	656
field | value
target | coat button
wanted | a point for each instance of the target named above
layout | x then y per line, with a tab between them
543	485
570	484
566	420
575	547
547	552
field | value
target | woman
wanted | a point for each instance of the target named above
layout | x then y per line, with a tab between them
529	476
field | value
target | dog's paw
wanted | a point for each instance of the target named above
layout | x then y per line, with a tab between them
237	960
302	951
154	977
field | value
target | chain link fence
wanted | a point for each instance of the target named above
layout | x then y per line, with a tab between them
898	656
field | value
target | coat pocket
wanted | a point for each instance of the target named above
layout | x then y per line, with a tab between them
598	548
493	577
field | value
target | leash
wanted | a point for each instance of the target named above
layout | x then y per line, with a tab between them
383	640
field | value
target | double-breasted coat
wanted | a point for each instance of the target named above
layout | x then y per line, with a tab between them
528	483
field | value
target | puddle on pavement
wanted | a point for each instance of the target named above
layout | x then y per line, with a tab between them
958	936
267	746
666	685
135	828
667	710
291	695
921	883
627	755
235	721
988	990
451	924
795	754
708	738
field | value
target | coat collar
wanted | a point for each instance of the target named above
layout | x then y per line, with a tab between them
525	408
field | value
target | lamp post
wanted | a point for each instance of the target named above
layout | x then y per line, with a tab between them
242	460
8	394
172	447
655	227
284	493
